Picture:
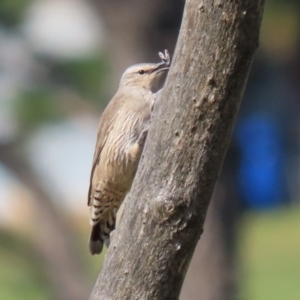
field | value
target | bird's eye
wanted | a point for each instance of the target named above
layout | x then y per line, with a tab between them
141	72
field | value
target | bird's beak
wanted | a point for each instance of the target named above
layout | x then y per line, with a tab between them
159	68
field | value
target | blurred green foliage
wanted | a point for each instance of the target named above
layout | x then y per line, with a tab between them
86	76
11	11
280	29
270	252
42	105
37	107
21	272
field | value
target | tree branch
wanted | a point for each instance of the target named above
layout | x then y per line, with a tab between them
165	211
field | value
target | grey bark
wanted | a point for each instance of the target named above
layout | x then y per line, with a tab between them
212	271
165	211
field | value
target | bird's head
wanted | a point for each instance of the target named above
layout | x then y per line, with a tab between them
146	75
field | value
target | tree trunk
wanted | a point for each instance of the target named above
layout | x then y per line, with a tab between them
165	210
212	271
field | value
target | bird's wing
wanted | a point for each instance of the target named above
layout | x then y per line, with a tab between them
105	126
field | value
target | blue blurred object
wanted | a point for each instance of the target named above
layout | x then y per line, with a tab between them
261	179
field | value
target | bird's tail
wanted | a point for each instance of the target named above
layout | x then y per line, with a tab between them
100	233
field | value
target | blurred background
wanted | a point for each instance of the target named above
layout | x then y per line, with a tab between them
60	63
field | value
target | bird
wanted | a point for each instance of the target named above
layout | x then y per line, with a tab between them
121	136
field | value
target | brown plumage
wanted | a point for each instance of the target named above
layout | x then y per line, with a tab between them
122	132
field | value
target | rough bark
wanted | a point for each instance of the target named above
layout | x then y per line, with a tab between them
184	151
212	271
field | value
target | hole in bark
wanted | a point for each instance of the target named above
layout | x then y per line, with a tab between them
211	81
